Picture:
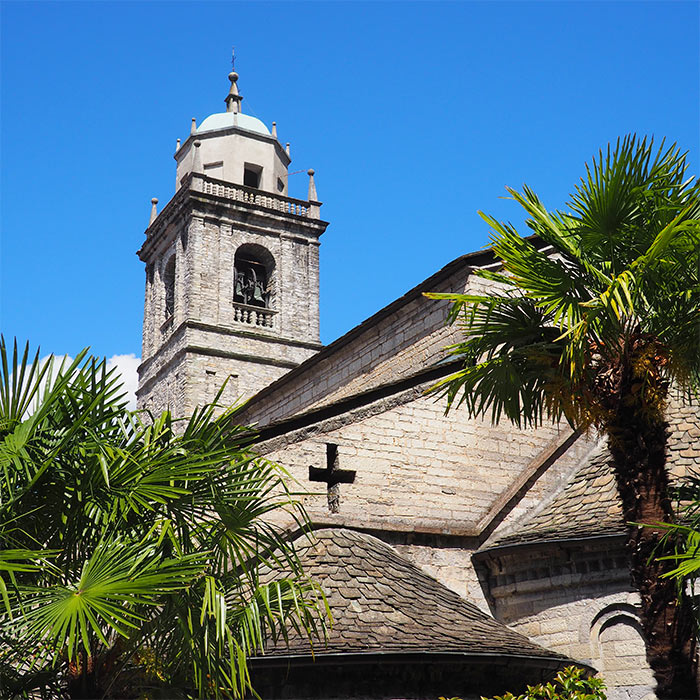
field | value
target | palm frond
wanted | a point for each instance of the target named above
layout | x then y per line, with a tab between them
624	263
115	528
116	580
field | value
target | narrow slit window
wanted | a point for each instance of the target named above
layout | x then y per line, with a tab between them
169	284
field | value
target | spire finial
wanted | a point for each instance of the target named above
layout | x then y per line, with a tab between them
233	99
154	210
313	197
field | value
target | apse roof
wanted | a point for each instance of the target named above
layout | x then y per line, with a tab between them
381	602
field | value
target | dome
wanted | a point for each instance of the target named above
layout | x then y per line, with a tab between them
225	120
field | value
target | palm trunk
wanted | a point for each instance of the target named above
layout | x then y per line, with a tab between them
638	447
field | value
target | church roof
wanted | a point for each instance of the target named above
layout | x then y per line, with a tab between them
382	603
307	377
588	505
314	383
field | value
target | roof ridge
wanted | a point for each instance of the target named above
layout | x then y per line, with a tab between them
376	317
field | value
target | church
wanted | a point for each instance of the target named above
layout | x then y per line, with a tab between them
458	557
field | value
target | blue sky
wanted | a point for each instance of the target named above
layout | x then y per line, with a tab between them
414	116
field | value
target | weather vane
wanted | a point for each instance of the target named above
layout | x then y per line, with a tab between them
233	58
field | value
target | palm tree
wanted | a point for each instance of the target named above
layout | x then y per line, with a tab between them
592	319
684	535
130	550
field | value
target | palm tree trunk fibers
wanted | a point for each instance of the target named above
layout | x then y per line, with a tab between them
638	447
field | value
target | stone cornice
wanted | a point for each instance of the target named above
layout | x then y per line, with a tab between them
215	133
548	546
254	217
207	352
226	330
531	567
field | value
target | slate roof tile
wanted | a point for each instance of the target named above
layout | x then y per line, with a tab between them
588	505
408	611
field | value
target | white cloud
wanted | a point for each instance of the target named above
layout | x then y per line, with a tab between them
58	362
127	366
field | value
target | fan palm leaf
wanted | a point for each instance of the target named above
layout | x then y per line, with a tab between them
129	547
592	320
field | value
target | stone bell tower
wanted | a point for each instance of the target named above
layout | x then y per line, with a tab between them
231	268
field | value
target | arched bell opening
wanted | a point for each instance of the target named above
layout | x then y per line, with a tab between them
253	276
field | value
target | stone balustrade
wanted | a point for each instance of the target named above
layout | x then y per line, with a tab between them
251	195
167	326
253	315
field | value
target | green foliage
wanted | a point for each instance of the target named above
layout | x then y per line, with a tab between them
592	319
611	284
131	549
569	684
683	539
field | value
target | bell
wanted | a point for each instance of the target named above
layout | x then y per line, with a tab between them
258	293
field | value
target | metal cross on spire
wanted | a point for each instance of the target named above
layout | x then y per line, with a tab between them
233	99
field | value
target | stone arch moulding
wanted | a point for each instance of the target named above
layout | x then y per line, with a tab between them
618	651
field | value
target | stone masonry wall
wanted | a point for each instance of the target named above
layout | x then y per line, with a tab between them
216	343
577	600
206	374
294	290
168	392
573	595
419	471
410	338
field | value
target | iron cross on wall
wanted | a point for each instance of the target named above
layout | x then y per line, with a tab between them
333	476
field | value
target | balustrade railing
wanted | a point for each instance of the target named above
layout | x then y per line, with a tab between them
253	315
167	326
250	195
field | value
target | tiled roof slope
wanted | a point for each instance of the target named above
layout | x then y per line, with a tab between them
381	602
588	505
684	437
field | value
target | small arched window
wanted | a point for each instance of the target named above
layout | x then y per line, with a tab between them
253	272
169	284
